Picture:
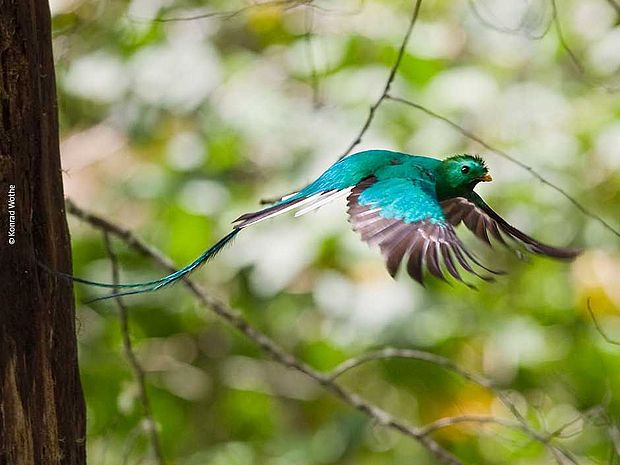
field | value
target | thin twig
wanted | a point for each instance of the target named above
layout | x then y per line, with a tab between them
509	157
446	422
484	419
457	420
519	30
615	5
345	12
523	425
388	84
314	77
391	353
563	41
614	435
559	431
553	21
582	71
138	371
288	4
612	432
130	444
412	354
269	346
598	326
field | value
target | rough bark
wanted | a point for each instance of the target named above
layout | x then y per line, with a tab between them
42	418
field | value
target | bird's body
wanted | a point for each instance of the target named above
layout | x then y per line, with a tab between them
407	205
345	174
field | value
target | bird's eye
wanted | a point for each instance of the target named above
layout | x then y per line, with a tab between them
465	169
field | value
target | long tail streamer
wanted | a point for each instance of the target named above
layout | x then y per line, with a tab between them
308	200
149	286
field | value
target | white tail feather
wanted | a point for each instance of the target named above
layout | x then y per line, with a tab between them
324	200
288	196
284	210
312	203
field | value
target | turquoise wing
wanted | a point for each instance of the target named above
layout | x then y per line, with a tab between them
404	218
338	180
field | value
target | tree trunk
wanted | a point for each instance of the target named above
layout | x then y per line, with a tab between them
42	418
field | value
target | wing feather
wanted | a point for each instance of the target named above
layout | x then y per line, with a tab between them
479	218
414	264
432	260
426	242
395	252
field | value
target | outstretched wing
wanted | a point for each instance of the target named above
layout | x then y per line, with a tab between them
404	218
482	221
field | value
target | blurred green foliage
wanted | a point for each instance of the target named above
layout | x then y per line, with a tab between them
174	128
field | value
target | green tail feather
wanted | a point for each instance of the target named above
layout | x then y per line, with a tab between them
149	286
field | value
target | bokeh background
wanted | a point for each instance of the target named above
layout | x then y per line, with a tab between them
173	128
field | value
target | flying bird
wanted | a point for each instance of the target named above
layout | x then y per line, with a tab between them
408	205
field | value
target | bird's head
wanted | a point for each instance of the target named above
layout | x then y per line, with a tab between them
459	174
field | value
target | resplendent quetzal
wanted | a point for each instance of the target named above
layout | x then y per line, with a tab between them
407	205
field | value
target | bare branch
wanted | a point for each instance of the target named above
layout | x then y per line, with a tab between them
287	4
555	21
583	209
130	443
581	69
391	353
457	420
314	78
138	371
388	84
519	30
446	422
562	39
615	5
344	12
269	346
598	326
599	413
559	432
523	425
614	435
582	72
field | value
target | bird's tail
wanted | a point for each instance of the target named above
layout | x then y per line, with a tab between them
148	286
310	201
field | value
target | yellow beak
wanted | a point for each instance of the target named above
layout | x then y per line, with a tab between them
486	178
